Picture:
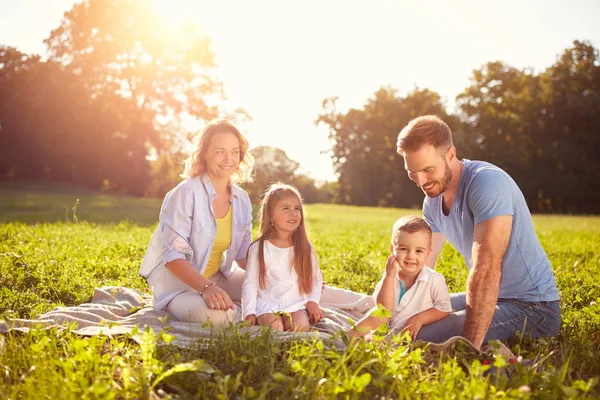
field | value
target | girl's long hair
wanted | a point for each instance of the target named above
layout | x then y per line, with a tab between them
301	248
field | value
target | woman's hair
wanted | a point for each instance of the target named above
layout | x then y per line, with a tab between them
301	248
195	164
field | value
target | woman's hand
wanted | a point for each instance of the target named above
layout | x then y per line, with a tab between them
314	312
217	298
251	319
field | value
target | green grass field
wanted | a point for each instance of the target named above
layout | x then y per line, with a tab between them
53	254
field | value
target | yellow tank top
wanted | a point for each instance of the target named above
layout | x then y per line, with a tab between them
221	244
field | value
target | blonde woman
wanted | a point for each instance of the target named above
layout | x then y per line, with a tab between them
204	226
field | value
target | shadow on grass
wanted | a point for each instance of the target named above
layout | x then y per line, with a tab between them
47	202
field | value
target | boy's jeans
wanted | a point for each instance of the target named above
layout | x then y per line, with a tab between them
531	318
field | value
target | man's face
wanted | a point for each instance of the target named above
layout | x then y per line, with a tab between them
430	169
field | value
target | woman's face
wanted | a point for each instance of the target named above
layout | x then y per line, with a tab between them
223	155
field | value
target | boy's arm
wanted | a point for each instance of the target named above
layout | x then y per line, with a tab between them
367	324
441	307
386	293
417	321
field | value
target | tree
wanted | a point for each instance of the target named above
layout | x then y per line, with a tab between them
271	165
49	126
542	129
571	136
123	53
364	146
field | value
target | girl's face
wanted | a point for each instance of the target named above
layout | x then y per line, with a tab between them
286	214
223	155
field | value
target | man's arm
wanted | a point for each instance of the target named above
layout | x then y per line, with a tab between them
490	240
437	243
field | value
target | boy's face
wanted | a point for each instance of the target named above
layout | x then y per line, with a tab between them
411	251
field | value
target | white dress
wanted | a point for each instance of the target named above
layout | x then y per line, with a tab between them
282	292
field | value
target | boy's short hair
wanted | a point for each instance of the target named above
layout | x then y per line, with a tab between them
409	224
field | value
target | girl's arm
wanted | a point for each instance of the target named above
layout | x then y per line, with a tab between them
240	258
250	284
317	280
312	305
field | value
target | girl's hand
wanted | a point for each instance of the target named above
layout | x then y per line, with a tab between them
391	267
217	298
314	312
251	319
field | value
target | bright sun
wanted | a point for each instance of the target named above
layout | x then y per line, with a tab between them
176	12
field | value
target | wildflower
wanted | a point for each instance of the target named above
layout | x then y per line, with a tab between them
486	362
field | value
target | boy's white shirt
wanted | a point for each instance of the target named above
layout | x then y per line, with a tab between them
429	291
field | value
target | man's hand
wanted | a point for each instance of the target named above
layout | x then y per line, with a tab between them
391	267
216	298
251	319
314	312
413	326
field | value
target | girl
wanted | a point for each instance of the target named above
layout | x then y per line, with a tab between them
282	274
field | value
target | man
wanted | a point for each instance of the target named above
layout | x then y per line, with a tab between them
479	208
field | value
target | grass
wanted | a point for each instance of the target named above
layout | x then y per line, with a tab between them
53	255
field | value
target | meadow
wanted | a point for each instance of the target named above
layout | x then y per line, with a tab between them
58	242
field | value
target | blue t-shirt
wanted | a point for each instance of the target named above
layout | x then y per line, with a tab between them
486	191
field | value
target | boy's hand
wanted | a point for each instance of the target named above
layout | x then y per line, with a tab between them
251	319
314	312
391	267
413	326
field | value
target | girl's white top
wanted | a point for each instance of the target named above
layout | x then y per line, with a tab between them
282	292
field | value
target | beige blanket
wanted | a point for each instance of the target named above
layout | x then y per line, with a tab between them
118	310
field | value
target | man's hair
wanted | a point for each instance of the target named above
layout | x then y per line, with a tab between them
424	130
409	224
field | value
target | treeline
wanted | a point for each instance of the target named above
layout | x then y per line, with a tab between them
543	128
104	110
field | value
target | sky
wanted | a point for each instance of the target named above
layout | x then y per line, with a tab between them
279	60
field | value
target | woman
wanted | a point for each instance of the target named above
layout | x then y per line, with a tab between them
204	225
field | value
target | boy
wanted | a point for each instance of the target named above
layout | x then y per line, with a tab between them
415	294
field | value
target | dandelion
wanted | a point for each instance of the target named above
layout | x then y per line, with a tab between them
525	389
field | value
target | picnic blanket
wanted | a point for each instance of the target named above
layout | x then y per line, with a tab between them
116	310
119	310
